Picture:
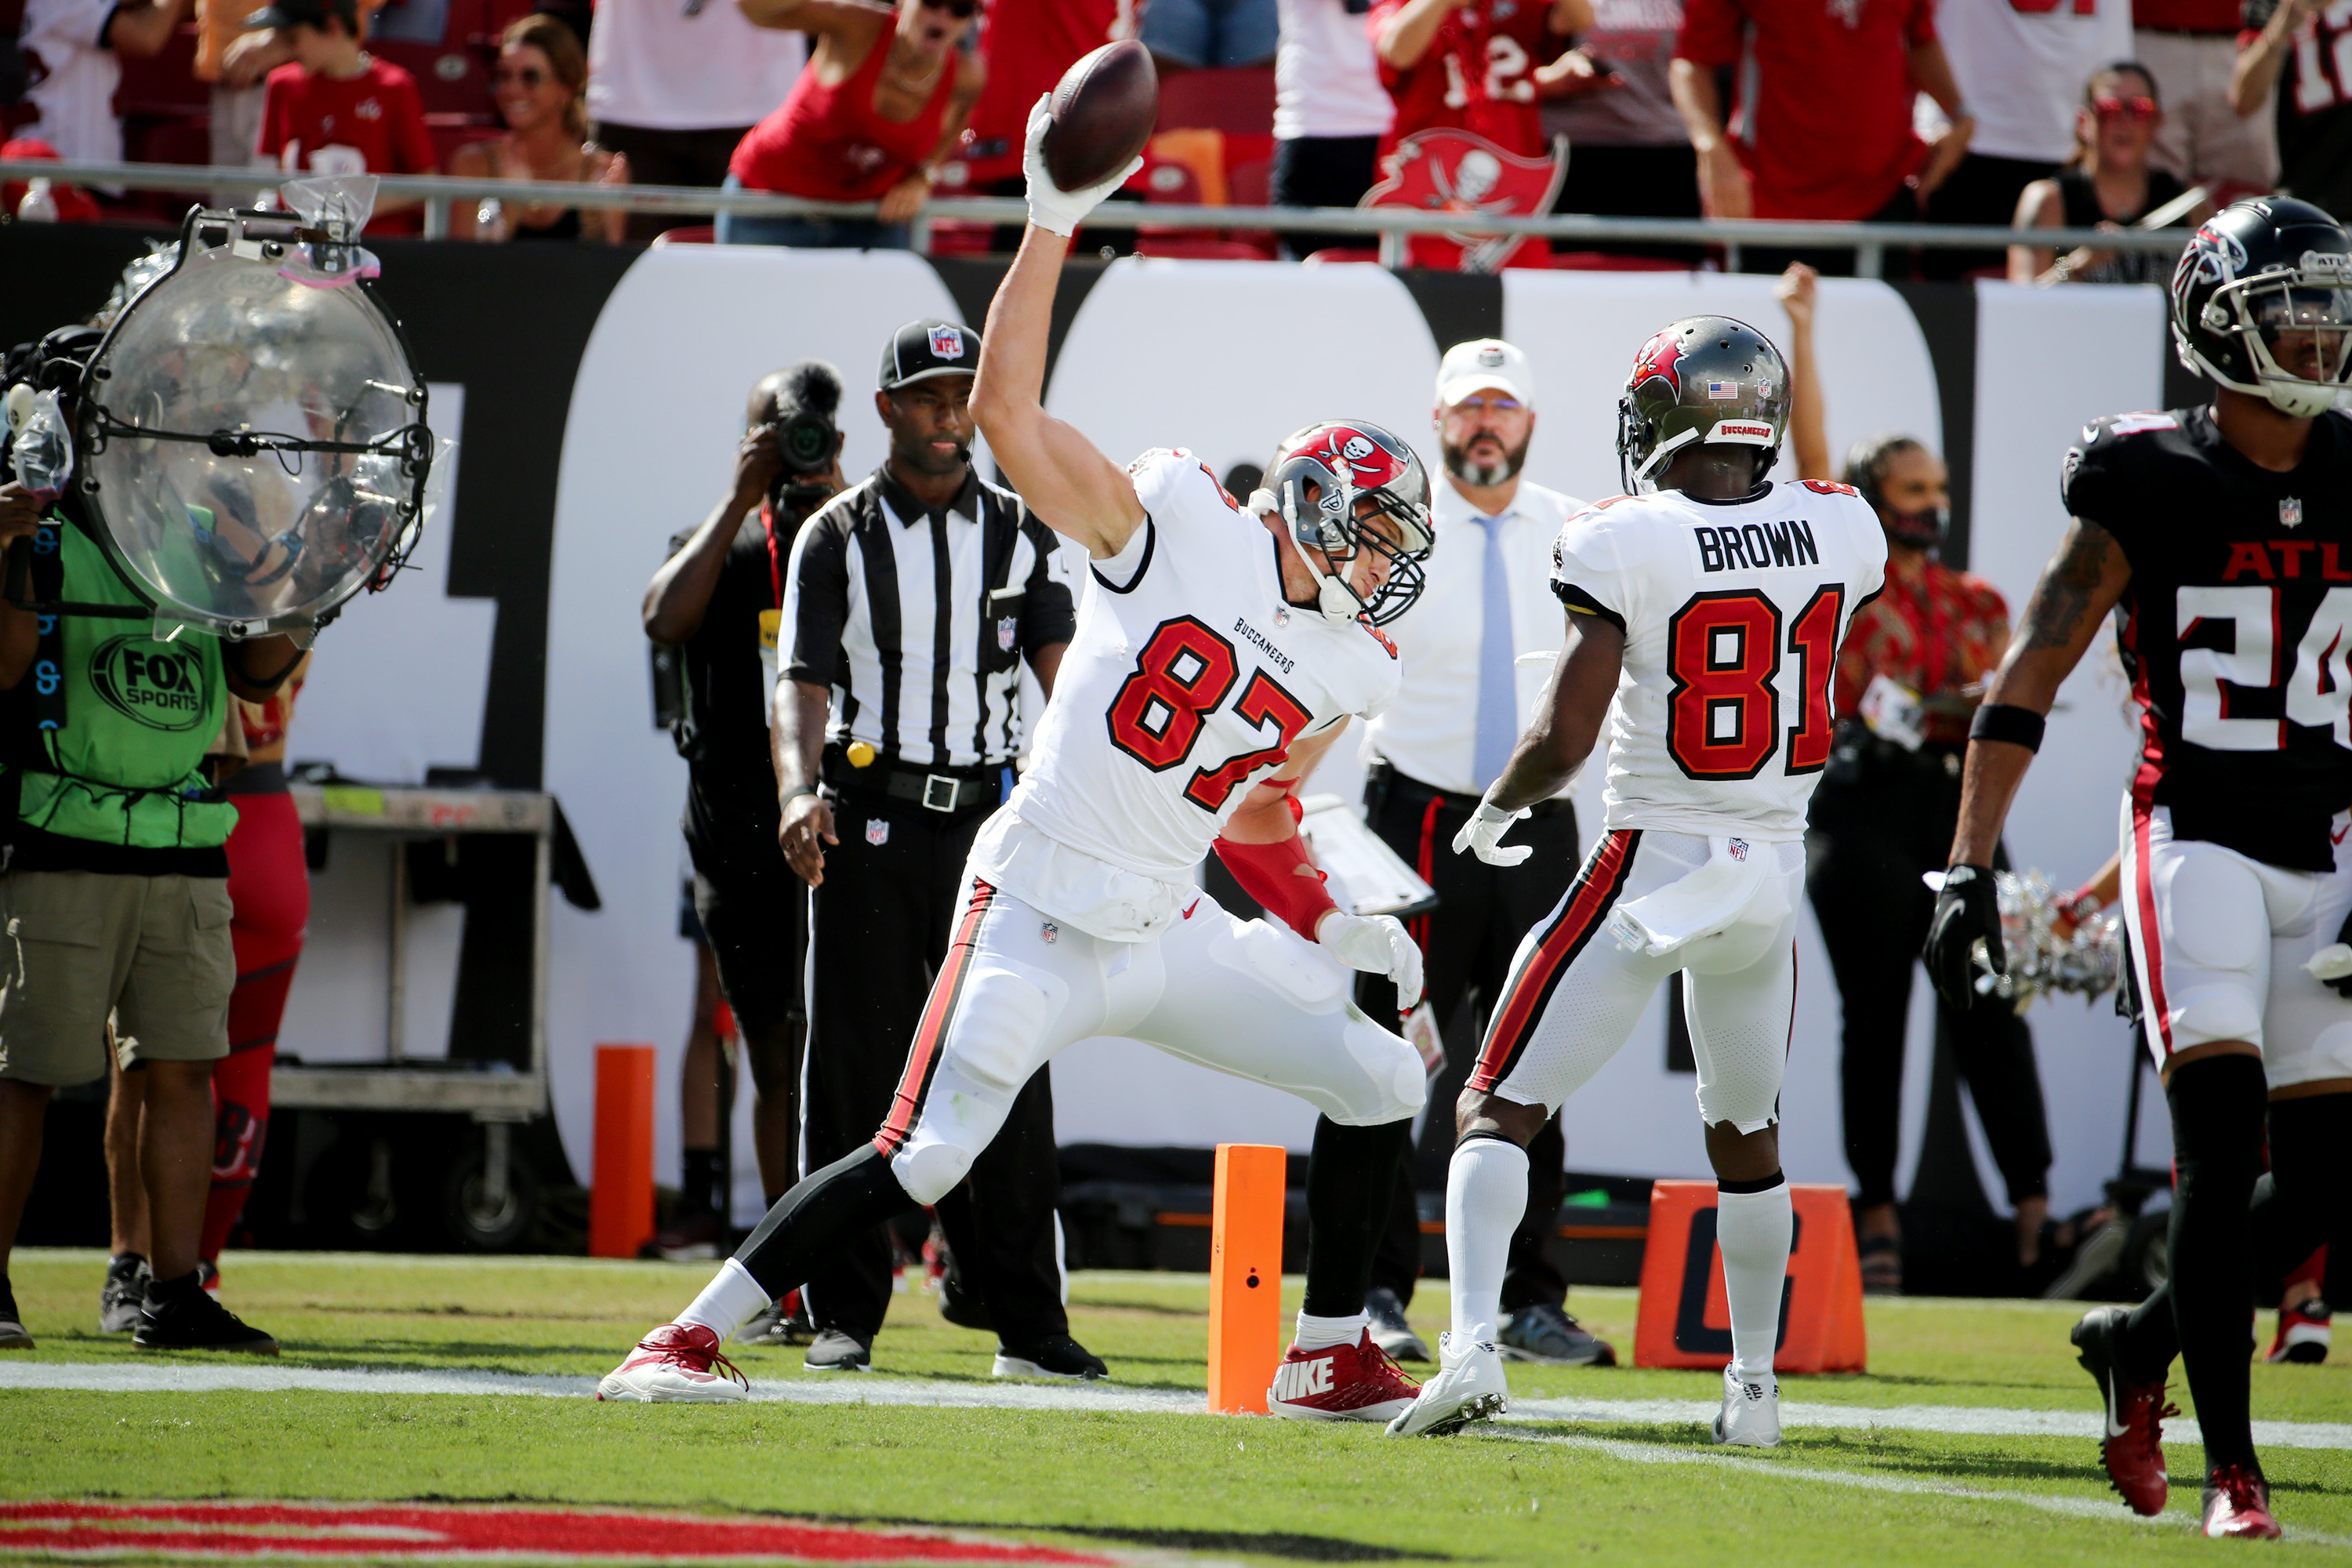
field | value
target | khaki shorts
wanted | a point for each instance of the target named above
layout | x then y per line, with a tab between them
76	946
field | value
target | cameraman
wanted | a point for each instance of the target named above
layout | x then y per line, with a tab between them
113	887
718	600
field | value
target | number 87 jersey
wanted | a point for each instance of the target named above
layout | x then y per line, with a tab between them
1732	613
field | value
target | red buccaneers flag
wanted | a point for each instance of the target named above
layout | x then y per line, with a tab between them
1450	170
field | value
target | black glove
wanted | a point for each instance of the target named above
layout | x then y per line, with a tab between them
2341	984
1966	910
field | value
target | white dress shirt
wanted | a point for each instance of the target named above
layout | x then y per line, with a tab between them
1428	731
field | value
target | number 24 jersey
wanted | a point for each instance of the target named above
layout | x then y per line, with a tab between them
1187	682
1732	612
2236	628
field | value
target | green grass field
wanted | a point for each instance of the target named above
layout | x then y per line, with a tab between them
1232	1488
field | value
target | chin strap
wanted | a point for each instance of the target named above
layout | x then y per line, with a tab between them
1334	600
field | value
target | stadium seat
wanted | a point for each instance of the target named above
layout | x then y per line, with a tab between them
1342	255
954	237
1602	261
693	234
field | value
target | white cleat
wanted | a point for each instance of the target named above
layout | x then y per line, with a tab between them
676	1364
1469	1386
1751	1411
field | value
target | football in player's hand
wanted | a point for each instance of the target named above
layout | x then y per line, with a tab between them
1104	109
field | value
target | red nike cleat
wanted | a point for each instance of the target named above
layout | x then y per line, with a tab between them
2238	1504
2132	1446
1340	1383
675	1362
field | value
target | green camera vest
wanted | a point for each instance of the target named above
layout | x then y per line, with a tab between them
121	721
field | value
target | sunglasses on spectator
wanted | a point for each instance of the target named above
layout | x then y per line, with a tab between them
2123	108
960	10
1473	406
529	76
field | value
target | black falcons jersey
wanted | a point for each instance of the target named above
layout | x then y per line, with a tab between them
2236	627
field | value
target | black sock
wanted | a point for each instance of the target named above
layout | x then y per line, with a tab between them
701	1178
2218	1107
854	1192
2311	1155
1349	1177
186	1287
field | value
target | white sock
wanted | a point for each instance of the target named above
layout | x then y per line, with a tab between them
1320	1333
1753	1229
1485	1194
732	1300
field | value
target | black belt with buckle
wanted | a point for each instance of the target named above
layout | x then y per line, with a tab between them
946	793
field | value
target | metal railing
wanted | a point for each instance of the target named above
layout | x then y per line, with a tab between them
1389	226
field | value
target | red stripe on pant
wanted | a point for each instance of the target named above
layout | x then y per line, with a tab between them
1594	891
1425	867
924	1056
269	895
2151	949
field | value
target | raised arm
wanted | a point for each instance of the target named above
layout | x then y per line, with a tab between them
1071	485
1808	424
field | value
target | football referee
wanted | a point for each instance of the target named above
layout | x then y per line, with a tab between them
911	601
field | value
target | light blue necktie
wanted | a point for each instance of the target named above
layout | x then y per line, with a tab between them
1498	703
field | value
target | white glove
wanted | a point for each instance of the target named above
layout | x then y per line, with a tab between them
1482	835
1050	206
1377	944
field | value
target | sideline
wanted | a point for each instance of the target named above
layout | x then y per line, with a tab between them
1952	1420
2180	1515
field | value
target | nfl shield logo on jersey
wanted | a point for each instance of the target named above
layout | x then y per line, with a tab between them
947	343
877	831
1006	630
2291	511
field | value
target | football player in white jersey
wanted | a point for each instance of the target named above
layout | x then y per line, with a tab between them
1219	653
1704	616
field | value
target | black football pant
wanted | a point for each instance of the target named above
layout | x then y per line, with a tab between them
1466	944
879	925
1873	834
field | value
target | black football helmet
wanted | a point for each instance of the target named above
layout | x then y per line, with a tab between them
1344	461
1703	379
2261	303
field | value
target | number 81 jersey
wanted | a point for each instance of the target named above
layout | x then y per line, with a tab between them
1732	613
1188	681
2236	628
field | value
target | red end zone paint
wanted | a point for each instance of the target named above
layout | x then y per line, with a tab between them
431	1533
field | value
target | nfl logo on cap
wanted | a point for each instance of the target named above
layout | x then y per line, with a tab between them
947	343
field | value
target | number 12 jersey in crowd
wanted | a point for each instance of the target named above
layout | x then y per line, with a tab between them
1188	681
1732	613
2236	628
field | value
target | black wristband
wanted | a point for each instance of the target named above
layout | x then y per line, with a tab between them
2008	722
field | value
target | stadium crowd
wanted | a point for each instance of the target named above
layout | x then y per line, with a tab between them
1974	111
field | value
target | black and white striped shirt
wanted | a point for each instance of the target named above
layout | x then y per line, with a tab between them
918	619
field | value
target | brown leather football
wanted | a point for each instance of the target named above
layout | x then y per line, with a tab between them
1104	108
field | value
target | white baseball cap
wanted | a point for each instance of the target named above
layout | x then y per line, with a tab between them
1481	363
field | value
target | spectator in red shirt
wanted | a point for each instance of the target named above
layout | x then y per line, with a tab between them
873	119
1028	44
338	109
1820	127
1479	66
2315	103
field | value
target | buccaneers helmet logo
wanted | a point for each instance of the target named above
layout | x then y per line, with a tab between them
1366	462
1659	357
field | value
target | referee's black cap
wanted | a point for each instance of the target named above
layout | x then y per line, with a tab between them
921	350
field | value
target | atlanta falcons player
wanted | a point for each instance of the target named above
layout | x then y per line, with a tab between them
1704	618
1218	654
2223	536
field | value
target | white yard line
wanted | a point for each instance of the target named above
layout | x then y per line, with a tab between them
212	1376
2071	1507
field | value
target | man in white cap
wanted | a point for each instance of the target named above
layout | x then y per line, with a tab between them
1445	737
